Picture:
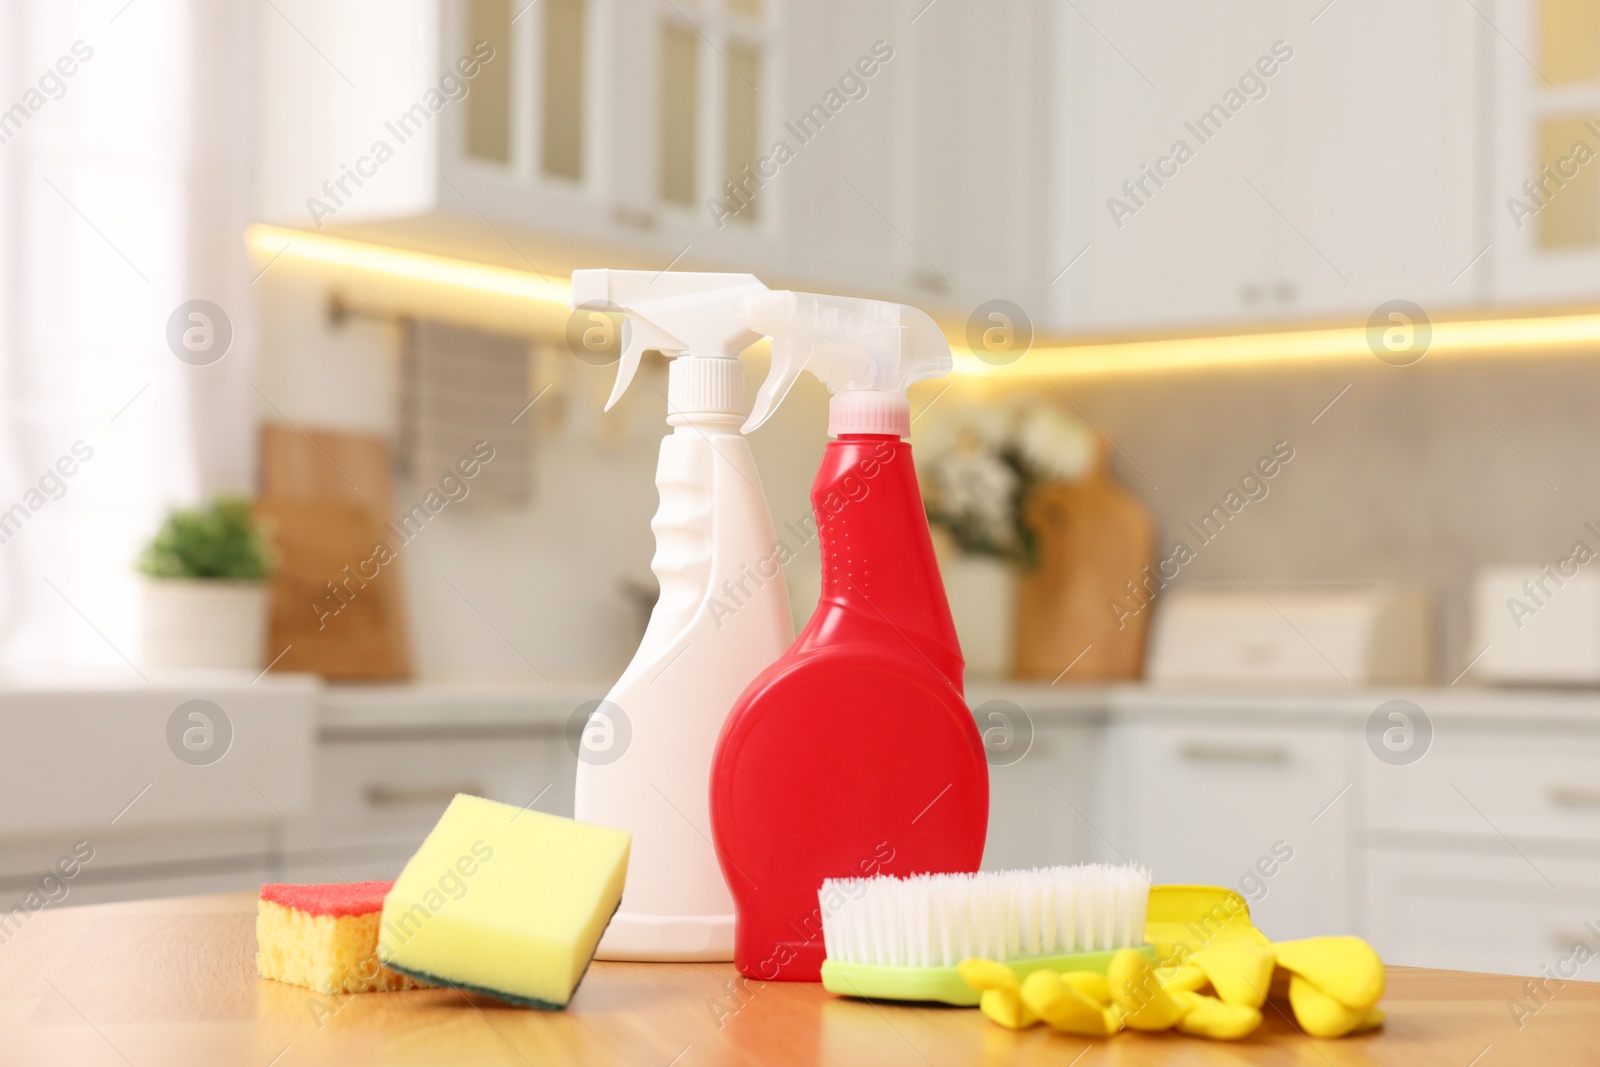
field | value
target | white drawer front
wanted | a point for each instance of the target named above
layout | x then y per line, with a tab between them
239	880
393	786
1041	805
1538	783
1260	809
1490	912
74	762
115	849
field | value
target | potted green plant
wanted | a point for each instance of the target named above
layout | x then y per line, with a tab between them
205	590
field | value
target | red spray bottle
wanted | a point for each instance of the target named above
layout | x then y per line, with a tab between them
855	752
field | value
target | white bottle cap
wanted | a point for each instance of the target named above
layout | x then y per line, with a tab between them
707	386
869	411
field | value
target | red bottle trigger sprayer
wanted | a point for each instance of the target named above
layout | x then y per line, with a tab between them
855	752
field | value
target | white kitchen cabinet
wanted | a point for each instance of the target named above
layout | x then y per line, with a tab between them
1546	103
123	863
1262	807
1373	161
1474	782
930	188
605	132
1343	179
847	193
389	785
628	120
587	128
1487	910
1042	805
1482	854
1131	79
194	751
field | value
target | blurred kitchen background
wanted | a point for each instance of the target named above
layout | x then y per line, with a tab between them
1264	487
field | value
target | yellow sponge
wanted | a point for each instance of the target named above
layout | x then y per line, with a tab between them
324	937
505	901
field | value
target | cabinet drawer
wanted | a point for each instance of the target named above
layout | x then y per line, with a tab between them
1539	784
1490	912
237	880
393	785
78	761
122	855
370	865
1040	805
1259	808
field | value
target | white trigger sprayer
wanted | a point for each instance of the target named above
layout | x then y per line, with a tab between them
676	314
867	352
644	761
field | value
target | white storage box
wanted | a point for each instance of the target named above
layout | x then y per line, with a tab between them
1536	626
1360	635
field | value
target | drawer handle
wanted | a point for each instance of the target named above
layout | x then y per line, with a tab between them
1575	796
400	796
1212	752
1563	940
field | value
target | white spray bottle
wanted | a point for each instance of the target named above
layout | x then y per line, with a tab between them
722	617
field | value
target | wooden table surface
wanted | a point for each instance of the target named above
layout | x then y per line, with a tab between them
173	982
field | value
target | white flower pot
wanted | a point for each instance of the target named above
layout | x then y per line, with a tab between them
205	623
983	601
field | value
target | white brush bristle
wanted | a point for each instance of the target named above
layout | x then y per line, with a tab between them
938	920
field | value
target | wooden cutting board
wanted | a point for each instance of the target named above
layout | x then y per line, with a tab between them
1092	537
338	601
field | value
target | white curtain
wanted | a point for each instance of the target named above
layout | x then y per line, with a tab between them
125	164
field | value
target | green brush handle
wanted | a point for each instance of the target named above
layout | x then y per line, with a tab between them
945	984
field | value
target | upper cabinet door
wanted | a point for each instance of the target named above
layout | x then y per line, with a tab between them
643	129
976	116
712	89
1163	124
846	119
1545	198
1376	173
524	151
920	150
1268	162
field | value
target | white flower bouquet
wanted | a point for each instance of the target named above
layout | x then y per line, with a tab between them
978	466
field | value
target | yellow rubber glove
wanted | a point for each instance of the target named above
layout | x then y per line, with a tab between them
1134	989
1187	978
1183	918
1319	1014
1091	984
1345	968
1058	1003
1239	970
1000	993
1209	1017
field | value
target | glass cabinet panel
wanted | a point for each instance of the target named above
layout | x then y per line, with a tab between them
489	101
561	90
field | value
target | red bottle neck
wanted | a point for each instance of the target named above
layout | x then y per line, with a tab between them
880	580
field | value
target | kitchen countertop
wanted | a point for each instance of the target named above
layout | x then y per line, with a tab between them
348	709
173	982
354	709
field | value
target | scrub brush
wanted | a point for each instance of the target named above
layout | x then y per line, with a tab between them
894	938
